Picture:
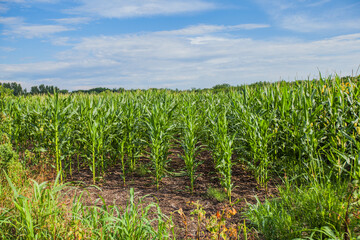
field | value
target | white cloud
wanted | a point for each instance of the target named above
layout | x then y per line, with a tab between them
185	61
5	5
318	3
322	16
7	49
11	20
304	23
15	26
75	20
60	41
32	31
30	1
206	29
3	8
138	8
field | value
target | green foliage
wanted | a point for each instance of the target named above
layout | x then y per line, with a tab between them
9	159
222	148
4	91
7	156
99	90
45	216
281	128
191	127
9	164
272	220
159	124
131	129
14	87
301	210
221	86
307	132
257	132
142	170
45	89
217	194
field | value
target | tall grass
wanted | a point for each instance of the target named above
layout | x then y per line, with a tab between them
45	215
300	211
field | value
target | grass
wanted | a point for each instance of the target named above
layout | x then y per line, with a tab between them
304	211
45	215
142	170
217	194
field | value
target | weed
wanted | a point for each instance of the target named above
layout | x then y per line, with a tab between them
216	193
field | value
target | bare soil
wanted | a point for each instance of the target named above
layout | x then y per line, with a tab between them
174	193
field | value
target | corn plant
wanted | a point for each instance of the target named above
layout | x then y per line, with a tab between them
93	128
224	150
16	114
107	122
159	124
38	125
100	123
79	137
212	113
122	157
260	135
191	125
58	118
131	129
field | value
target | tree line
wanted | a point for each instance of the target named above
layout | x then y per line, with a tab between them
17	89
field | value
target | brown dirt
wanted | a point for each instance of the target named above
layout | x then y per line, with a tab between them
173	193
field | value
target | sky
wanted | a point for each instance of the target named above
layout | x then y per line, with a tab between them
183	44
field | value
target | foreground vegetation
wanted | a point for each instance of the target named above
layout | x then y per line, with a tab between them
306	133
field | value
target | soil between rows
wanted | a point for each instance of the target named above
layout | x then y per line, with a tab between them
173	193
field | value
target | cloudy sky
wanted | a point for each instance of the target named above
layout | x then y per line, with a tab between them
81	44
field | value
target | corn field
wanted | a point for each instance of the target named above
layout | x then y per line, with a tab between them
306	133
307	128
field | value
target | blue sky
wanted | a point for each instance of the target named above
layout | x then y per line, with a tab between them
182	44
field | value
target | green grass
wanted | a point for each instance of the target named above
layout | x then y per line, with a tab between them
217	194
44	215
303	211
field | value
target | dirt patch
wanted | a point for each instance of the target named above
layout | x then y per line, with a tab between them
173	193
